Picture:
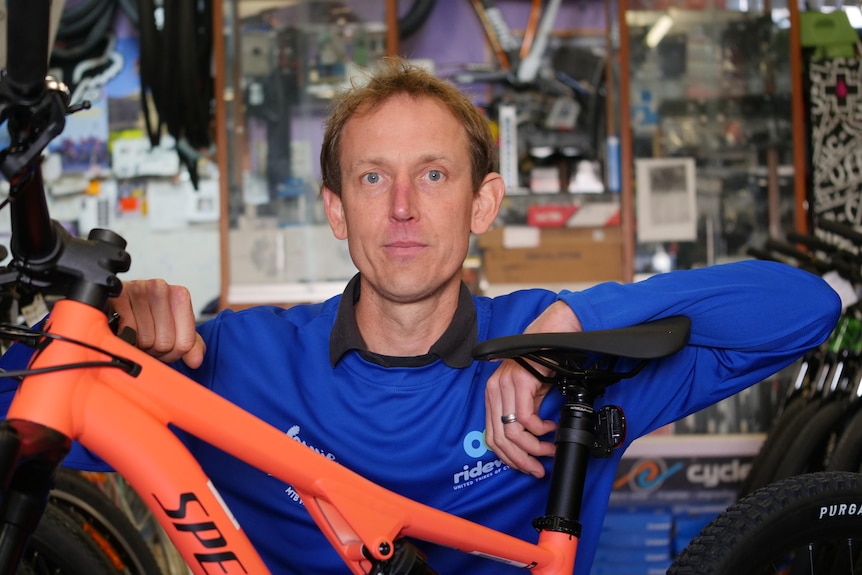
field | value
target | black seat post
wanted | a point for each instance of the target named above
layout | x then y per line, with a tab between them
559	359
575	440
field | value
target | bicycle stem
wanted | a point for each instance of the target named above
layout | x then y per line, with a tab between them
34	105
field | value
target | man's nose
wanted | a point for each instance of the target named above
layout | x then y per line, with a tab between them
403	199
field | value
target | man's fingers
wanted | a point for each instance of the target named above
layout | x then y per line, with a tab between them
195	356
515	395
520	448
163	319
185	336
513	427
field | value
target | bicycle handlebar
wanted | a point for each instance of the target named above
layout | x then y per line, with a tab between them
27	46
24	87
812	242
844	230
35	106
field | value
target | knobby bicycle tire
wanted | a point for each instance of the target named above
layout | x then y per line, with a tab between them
766	461
61	547
770	530
847	455
112	530
809	449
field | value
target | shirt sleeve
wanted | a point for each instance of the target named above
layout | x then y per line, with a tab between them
749	320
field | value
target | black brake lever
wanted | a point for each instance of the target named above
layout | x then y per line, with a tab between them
126	334
49	111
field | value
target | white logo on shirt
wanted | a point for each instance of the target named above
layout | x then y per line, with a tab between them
293	433
475	447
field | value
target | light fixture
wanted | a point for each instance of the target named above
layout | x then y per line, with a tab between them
854	14
658	30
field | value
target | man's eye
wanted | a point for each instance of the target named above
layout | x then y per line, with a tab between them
371	178
435	175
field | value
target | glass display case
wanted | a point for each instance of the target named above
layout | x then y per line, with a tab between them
280	65
711	130
711	150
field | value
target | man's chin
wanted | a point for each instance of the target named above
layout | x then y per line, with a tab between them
413	287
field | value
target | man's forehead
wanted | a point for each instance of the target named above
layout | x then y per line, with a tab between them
434	119
370	108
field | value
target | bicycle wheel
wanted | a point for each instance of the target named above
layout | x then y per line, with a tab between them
847	455
764	464
108	526
809	449
808	524
60	547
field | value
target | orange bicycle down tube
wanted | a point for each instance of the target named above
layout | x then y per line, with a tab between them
124	419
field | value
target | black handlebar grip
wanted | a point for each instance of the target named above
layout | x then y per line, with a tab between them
28	24
788	250
812	242
842	229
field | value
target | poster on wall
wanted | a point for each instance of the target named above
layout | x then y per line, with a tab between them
666	203
835	117
108	78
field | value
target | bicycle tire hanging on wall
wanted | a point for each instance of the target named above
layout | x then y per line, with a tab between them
415	18
84	35
176	76
175	67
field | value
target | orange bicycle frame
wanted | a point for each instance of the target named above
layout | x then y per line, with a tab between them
124	419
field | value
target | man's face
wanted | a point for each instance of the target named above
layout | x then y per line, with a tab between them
407	206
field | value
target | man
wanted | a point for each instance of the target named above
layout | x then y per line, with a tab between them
381	379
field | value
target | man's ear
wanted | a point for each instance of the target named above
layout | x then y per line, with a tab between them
486	203
334	210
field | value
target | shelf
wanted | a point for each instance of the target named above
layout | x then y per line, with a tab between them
713	86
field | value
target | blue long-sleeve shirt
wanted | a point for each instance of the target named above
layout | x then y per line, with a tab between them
418	430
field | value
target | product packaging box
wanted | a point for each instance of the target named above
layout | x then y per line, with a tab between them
532	255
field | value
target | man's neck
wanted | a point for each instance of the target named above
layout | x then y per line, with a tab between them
405	329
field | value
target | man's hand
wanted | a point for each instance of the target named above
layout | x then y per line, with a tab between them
163	318
513	390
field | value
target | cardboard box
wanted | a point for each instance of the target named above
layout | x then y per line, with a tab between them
528	255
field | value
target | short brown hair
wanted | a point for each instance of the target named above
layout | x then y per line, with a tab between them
398	76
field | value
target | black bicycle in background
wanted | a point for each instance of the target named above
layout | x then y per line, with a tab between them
800	508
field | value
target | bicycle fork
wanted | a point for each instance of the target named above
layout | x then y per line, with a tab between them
30	454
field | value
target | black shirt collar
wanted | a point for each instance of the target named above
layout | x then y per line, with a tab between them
454	347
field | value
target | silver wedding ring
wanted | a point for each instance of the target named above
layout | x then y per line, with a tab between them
509	418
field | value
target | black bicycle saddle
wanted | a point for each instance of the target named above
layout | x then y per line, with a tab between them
643	341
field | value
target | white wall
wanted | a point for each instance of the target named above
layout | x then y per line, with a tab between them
187	256
181	251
